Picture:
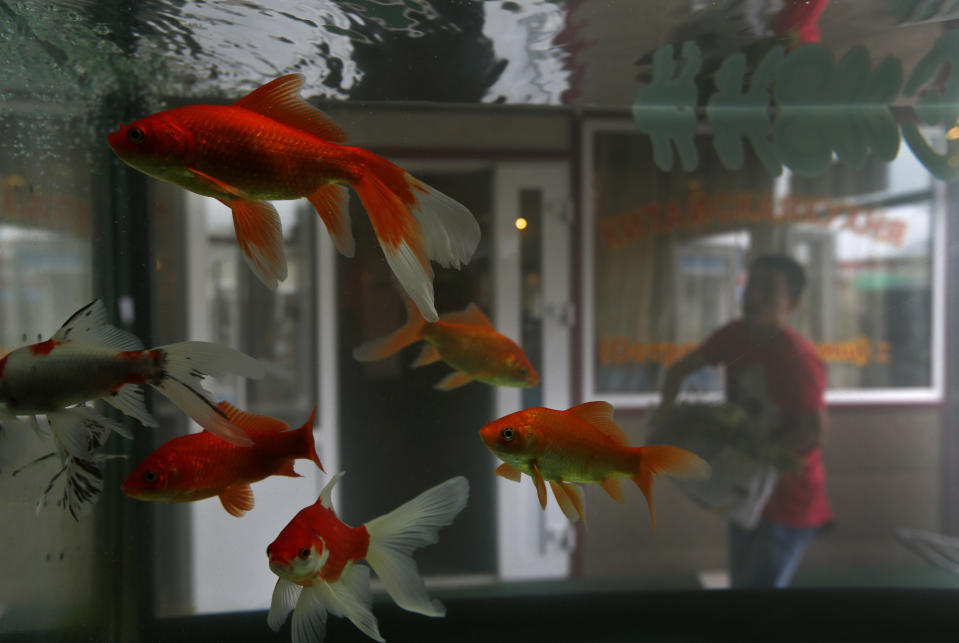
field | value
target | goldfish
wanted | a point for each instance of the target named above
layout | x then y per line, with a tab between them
466	340
273	145
316	557
89	359
200	465
581	444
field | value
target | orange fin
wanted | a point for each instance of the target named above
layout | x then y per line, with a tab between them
383	347
509	472
454	380
569	499
258	232
428	355
670	460
286	469
540	485
576	497
310	442
332	204
237	499
280	100
471	315
600	415
251	423
614	488
218	185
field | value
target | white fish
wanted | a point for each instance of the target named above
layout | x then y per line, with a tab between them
89	359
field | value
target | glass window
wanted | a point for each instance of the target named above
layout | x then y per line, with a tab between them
667	244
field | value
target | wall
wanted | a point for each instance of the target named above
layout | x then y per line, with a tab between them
884	471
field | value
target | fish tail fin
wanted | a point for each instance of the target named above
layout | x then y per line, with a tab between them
399	339
673	461
394	536
309	443
183	367
415	224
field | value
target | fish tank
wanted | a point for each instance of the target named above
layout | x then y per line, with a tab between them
496	261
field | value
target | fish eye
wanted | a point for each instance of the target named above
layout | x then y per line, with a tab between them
136	135
508	434
522	371
150	476
267	550
304	554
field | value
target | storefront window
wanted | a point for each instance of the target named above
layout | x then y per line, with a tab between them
669	253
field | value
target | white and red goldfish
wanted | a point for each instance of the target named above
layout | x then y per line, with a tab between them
466	340
89	359
273	145
200	465
581	444
316	557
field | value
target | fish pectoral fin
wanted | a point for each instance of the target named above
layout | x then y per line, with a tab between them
237	499
508	471
129	399
286	469
260	237
453	380
569	499
332	203
614	488
540	484
351	597
310	613
285	594
428	355
216	185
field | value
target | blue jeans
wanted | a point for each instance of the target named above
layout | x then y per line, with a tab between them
768	555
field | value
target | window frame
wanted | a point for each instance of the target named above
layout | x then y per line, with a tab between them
933	394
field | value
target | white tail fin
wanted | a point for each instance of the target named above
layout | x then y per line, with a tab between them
184	367
414	224
394	536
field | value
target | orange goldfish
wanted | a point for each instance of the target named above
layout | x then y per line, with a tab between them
271	144
581	444
316	557
200	465
89	359
466	340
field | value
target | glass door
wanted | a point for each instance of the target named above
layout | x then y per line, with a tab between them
531	223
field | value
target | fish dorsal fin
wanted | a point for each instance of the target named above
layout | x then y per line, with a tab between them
326	496
600	415
280	100
251	423
471	315
89	325
237	499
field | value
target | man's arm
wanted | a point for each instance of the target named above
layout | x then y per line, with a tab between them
675	375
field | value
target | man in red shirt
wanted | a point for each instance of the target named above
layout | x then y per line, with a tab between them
771	369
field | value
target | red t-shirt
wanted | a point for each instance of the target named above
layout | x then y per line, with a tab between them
773	381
